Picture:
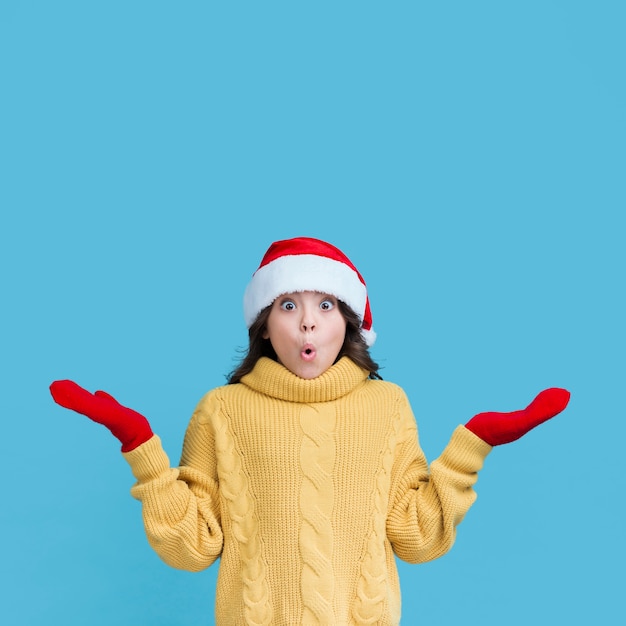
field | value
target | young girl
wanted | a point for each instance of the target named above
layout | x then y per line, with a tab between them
304	473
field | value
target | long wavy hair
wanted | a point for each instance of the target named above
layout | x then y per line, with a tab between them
354	345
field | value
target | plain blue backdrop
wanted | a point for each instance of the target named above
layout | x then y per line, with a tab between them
470	159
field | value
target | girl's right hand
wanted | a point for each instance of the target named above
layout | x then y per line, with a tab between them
130	427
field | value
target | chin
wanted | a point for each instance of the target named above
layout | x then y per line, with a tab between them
307	373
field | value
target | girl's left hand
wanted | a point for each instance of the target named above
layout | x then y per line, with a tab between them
499	428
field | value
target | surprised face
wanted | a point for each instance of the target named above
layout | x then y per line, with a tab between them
306	330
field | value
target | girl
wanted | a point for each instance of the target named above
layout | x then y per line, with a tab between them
304	473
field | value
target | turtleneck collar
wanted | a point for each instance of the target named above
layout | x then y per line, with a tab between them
275	380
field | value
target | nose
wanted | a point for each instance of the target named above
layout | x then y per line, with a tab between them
308	322
308	325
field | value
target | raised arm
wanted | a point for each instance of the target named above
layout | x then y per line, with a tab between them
181	508
428	502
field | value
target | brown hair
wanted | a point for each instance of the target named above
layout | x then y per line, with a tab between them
354	345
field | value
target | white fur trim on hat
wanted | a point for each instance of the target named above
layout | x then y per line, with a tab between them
302	272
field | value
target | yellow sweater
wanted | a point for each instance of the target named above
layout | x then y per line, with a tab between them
306	489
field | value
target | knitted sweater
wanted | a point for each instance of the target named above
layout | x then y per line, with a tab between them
305	489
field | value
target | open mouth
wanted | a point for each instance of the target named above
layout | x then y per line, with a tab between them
308	353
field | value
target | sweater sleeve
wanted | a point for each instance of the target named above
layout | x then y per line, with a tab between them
427	503
180	506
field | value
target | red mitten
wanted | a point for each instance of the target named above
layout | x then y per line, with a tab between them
499	428
130	427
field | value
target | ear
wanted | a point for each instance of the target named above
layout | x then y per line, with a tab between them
265	334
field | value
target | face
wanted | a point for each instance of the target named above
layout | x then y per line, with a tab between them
306	330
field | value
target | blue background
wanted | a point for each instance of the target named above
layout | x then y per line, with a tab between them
468	157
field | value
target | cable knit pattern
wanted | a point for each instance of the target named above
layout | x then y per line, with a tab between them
372	585
317	458
305	489
234	488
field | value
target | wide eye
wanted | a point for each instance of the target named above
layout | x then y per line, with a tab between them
287	305
327	304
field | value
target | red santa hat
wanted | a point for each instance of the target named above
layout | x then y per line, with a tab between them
307	264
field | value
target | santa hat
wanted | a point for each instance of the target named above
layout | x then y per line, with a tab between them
307	264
